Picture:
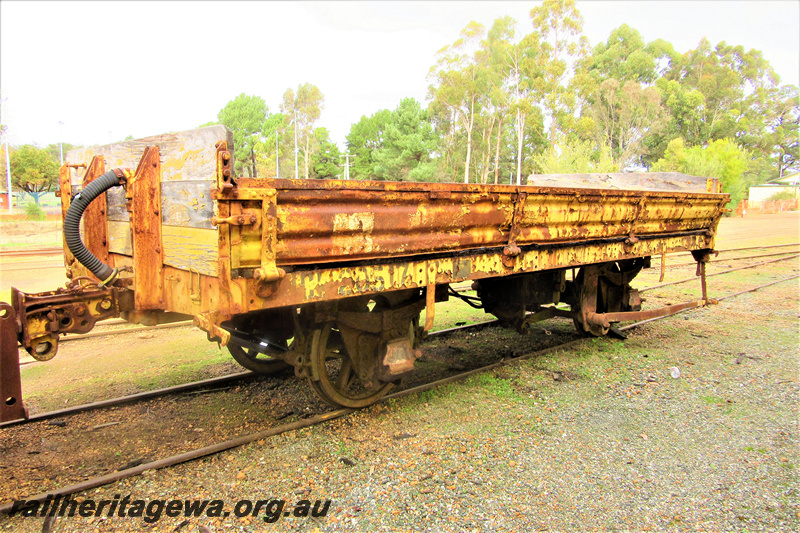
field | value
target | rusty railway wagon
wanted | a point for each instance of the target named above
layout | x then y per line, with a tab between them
331	276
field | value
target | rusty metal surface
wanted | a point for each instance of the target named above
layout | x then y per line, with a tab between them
95	221
43	316
11	406
645	181
193	293
606	319
148	256
332	221
65	190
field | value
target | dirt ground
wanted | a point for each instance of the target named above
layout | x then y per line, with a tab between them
94	366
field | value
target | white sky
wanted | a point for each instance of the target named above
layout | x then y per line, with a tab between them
112	69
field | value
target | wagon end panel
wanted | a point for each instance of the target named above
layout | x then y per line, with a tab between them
157	229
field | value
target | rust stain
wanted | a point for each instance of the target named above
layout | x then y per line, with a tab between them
95	221
148	253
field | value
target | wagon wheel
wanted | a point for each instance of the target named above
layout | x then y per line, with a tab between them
594	329
338	382
255	361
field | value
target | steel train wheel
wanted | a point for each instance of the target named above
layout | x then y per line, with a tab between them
611	296
594	330
338	383
255	361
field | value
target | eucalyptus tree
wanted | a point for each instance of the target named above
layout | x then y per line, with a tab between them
622	107
502	60
244	116
302	110
559	44
458	85
365	140
783	135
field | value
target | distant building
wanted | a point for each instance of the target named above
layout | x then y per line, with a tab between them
790	183
759	195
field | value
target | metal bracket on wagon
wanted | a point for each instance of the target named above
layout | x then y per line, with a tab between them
207	323
225	180
42	317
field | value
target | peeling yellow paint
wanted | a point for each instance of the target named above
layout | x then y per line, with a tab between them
343	222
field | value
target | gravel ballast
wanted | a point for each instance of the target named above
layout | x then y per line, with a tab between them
599	438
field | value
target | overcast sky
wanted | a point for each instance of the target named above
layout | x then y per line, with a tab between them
112	69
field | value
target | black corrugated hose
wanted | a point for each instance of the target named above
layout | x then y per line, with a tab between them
72	222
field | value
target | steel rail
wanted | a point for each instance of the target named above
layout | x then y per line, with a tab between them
121	400
17	267
32	251
630	326
136	329
688	263
324	417
686	280
758	288
736	249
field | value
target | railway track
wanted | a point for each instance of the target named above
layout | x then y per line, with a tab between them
319	418
27	252
186	387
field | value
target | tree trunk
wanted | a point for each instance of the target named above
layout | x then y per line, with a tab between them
306	154
497	151
520	130
470	123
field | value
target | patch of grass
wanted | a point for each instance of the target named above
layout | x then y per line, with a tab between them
453	313
714	400
34	212
182	371
343	450
500	387
84	371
